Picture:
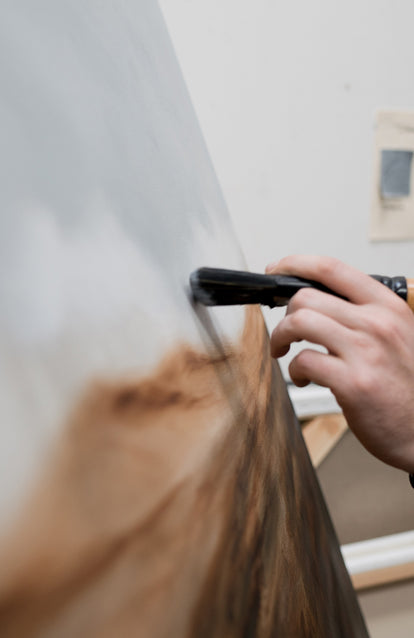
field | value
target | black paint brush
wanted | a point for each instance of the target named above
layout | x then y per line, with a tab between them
220	287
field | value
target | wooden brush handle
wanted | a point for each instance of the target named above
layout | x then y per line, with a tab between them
410	293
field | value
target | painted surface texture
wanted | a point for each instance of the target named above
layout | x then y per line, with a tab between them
154	479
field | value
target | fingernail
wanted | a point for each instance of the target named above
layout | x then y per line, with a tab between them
271	266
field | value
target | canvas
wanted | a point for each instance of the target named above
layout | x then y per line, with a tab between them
154	478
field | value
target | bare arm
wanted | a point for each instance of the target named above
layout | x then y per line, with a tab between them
369	364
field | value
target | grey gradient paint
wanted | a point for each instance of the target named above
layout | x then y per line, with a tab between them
108	200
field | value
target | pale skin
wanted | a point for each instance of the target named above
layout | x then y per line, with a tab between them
369	363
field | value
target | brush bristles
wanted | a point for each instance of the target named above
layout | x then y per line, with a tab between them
220	287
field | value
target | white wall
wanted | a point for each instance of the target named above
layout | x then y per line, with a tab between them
286	93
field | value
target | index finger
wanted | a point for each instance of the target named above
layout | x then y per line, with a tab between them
333	273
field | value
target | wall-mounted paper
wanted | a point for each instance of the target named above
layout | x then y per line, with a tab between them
392	211
395	173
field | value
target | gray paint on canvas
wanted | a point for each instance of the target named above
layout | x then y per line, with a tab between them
107	201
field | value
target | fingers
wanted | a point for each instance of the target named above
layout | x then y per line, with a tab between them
338	309
342	278
370	341
313	326
316	367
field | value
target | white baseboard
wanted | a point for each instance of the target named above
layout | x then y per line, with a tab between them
312	401
378	561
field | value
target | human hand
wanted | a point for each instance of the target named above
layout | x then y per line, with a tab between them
369	363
